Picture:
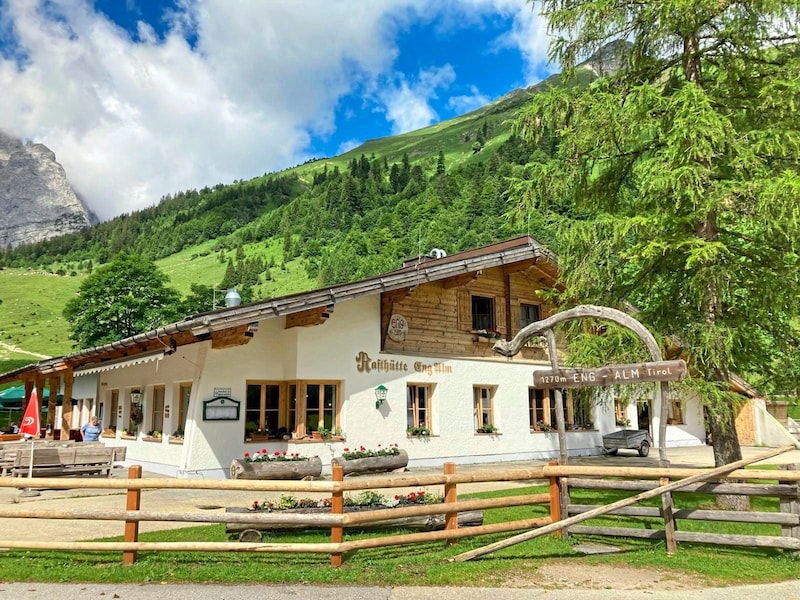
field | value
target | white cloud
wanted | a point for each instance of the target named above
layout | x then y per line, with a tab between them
408	104
134	119
464	104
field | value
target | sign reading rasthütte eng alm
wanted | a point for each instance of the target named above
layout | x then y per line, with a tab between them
666	370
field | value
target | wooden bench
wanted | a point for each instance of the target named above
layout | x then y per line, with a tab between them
8	450
59	461
10	437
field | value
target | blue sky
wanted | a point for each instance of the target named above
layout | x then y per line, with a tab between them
142	98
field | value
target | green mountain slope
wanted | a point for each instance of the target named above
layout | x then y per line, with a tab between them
323	222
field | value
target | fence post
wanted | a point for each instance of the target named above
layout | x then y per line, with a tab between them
555	498
450	495
669	519
791	505
337	508
133	501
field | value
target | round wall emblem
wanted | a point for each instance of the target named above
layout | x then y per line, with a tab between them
398	328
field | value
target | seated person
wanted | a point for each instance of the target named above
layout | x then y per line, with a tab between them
12	428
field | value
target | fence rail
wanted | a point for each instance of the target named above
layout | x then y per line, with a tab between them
560	480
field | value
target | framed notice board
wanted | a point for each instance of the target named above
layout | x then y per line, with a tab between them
221	408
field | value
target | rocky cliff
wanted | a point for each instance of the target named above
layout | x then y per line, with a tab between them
36	200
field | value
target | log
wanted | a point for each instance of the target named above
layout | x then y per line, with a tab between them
696	514
695	537
740	489
425	523
276	469
372	464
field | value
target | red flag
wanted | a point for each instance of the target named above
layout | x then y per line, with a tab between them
30	420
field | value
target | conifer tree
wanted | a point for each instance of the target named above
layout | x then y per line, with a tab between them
676	178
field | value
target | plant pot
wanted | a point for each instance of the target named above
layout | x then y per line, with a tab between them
372	464
276	469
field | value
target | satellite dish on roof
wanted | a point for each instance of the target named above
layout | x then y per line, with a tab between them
437	253
232	298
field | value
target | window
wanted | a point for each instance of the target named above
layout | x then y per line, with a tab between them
483	408
528	313
418	407
482	312
112	422
157	413
676	411
275	409
621	412
262	408
542	410
184	394
321	406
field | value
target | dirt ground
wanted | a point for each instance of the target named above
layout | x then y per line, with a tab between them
562	575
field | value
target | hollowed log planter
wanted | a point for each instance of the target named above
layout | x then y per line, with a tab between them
276	469
252	531
372	464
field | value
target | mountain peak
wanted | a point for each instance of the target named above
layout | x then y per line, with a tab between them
35	196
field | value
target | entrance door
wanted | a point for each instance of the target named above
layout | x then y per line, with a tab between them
643	414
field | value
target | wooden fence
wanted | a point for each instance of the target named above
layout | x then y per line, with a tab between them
787	517
558	477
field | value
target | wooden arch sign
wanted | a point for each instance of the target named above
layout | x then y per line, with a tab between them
657	371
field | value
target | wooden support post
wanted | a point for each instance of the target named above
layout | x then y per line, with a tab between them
669	519
555	499
337	508
450	495
133	501
791	505
51	406
66	405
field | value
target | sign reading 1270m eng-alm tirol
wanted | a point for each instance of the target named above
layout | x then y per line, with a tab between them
667	370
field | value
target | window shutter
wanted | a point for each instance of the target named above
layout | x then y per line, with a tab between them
464	310
500	314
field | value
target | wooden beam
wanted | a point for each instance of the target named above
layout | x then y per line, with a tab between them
518	266
66	404
459	281
309	318
228	338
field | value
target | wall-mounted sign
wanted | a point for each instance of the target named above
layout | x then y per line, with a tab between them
666	370
398	328
366	364
222	392
221	408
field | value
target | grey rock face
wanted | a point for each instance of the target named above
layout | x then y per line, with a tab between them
36	200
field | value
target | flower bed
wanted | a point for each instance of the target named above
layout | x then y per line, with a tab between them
362	460
365	501
275	465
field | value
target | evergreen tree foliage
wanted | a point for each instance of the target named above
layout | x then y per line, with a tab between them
127	296
675	180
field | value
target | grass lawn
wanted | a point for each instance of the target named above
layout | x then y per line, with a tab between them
424	564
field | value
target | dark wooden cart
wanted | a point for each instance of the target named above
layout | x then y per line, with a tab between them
628	439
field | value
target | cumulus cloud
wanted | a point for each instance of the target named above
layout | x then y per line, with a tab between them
408	103
222	94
